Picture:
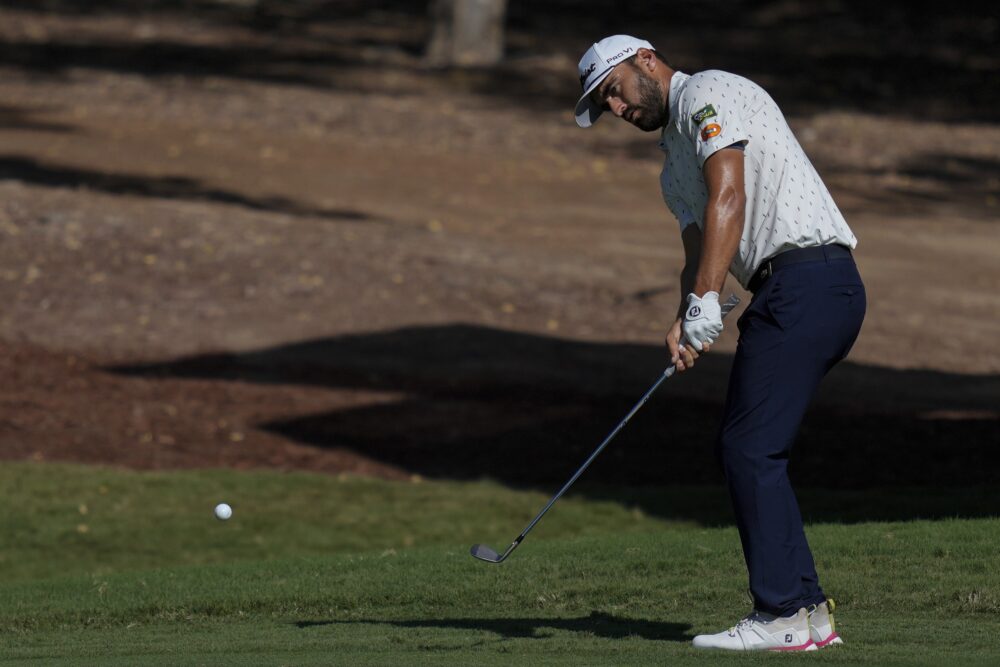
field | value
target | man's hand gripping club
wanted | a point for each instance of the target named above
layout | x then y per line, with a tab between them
696	331
702	320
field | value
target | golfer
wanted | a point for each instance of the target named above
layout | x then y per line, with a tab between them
748	202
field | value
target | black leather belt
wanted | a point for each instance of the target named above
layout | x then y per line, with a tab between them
796	256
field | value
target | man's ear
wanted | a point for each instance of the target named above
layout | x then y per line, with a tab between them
647	59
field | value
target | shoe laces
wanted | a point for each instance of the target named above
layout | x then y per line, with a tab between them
745	624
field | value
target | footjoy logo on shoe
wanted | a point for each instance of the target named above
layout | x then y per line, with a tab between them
789	638
694	312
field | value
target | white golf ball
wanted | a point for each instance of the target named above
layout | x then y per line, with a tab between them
223	511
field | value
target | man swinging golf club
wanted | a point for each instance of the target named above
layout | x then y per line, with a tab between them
748	202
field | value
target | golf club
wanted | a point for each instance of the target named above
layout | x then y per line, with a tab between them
485	553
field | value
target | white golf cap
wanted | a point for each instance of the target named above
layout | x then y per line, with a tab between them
596	64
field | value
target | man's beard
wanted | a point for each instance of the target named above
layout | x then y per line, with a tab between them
654	112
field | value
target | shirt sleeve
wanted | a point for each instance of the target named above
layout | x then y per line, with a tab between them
712	121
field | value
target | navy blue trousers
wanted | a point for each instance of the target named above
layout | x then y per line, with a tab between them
799	324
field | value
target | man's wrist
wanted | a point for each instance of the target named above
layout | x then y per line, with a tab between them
703	287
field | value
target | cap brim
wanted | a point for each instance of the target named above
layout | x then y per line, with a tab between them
587	112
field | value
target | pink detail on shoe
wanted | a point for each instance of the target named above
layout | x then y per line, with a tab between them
833	635
800	647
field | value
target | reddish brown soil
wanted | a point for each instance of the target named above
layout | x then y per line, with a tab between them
227	245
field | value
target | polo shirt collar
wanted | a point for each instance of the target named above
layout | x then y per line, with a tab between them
677	82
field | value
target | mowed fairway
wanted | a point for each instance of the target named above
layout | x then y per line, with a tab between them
113	567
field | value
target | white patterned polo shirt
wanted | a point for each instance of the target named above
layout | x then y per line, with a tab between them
788	206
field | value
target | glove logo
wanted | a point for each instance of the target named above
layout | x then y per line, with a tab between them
694	312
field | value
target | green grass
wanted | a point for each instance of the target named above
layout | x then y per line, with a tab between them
315	570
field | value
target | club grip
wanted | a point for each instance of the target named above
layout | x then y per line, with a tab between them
726	308
729	304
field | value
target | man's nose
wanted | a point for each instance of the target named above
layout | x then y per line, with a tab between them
617	106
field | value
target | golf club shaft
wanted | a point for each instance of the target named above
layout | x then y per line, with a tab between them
730	303
611	436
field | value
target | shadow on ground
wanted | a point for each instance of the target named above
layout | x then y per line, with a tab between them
597	624
21	118
34	172
473	402
959	182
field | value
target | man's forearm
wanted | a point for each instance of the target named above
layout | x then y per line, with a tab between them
721	238
687	286
724	219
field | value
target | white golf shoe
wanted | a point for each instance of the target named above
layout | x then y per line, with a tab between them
763	632
822	629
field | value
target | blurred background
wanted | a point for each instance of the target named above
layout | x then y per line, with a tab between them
368	238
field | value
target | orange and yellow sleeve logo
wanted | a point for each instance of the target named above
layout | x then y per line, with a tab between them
710	130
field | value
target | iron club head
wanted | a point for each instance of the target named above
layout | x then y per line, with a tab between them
483	552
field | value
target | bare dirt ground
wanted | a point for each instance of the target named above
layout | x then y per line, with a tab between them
231	244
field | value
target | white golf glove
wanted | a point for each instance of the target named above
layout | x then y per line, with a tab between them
703	320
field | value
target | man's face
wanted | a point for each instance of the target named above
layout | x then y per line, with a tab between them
629	92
